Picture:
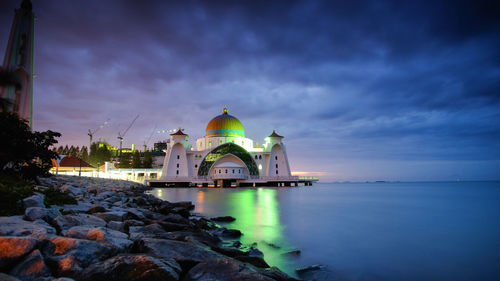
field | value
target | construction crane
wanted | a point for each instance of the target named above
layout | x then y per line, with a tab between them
120	135
91	133
169	131
147	141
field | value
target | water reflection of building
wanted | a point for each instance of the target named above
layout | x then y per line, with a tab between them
225	157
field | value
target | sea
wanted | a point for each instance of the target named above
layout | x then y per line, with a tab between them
365	231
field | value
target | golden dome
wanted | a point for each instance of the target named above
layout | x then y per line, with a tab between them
224	125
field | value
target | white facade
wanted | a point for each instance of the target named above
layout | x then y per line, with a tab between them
225	157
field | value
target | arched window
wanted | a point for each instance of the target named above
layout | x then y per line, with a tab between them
226	171
276	157
233	171
239	171
177	172
256	157
276	171
178	156
260	156
177	165
196	166
220	172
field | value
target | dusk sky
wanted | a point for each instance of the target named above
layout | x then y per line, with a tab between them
361	90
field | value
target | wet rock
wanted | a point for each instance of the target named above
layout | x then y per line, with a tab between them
176	218
68	256
130	267
182	252
16	226
6	277
181	211
12	249
34	213
80	207
229	251
96	209
135	214
294	253
68	221
71	189
34	201
231	233
310	268
223	269
254	252
32	267
113	238
112	216
62	279
105	194
224	219
255	261
170	226
276	274
272	245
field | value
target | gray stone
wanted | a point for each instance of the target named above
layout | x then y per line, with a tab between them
131	267
6	277
176	250
32	267
34	213
16	226
68	256
68	221
12	249
148	231
63	279
112	216
113	238
34	201
71	189
223	269
117	225
96	209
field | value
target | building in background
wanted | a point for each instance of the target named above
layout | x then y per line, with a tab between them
225	157
19	61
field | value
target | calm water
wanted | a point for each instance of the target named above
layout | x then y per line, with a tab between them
367	231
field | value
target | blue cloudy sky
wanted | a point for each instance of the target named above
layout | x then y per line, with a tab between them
361	90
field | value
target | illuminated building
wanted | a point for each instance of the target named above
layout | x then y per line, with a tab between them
18	60
225	157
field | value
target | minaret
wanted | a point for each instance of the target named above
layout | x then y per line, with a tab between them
19	60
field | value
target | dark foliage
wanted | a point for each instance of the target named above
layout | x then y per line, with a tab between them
148	160
125	161
136	160
54	196
12	191
23	152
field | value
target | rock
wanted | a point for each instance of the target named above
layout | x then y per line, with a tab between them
170	226
130	267
34	201
255	261
276	274
32	267
12	249
71	189
16	226
149	231
113	238
176	218
308	269
68	256
222	269
117	225
135	214
254	252
80	207
229	251
34	213
96	209
272	245
5	277
294	253
224	219
181	211
68	221
63	279
129	223
112	216
104	195
231	233
182	252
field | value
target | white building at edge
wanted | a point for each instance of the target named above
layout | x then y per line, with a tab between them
225	157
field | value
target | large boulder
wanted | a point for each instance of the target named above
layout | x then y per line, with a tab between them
35	213
223	269
132	268
68	221
12	249
34	201
185	253
97	208
112	216
113	238
6	277
16	226
31	268
149	231
68	256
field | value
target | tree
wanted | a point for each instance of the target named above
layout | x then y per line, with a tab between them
125	161
148	160
60	150
23	152
99	153
136	160
84	153
66	150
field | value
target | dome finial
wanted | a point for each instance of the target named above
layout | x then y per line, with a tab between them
224	111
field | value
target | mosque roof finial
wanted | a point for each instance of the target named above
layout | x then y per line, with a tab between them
224	111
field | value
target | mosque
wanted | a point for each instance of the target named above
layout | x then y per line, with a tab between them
225	157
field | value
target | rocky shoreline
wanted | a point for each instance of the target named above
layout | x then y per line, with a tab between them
118	232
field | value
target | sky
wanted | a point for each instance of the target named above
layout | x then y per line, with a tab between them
361	90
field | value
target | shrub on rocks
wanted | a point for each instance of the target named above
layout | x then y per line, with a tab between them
54	196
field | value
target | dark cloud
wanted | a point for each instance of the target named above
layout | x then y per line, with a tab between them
351	82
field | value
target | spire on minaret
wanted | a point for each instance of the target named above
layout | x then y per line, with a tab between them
19	61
